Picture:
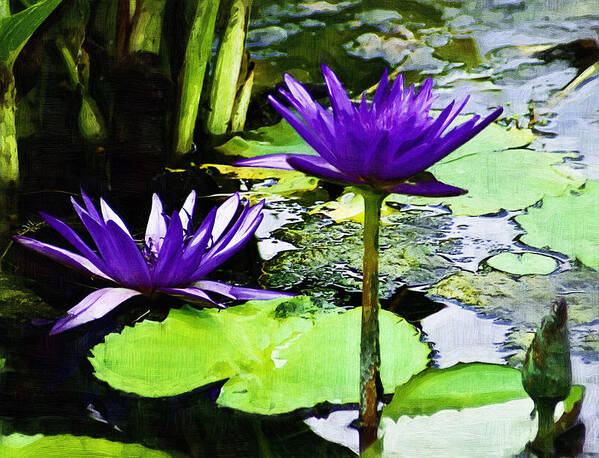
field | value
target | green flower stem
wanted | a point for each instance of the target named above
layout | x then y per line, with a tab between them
370	355
543	442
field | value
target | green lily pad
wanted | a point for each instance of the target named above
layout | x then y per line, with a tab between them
456	387
288	182
510	180
505	425
498	430
277	139
192	348
568	224
278	355
524	264
19	445
323	365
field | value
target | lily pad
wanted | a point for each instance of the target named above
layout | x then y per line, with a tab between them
192	348
568	224
278	355
18	445
523	264
276	139
323	365
510	180
453	433
288	182
456	387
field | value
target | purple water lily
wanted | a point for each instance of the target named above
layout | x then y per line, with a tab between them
384	145
381	147
174	258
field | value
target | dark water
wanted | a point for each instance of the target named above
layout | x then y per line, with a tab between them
518	54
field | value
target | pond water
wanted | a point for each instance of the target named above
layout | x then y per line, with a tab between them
515	53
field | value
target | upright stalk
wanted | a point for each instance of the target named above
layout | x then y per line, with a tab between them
543	442
370	355
228	66
191	76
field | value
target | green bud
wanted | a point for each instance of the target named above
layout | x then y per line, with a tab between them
547	370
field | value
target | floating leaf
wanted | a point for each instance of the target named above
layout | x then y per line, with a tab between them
15	30
289	182
568	224
192	348
456	387
497	430
523	264
323	365
510	180
19	445
280	138
275	362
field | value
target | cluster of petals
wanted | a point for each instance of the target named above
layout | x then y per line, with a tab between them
385	144
174	259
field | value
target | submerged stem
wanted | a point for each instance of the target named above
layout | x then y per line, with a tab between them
370	357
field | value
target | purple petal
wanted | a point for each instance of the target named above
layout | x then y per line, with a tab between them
92	307
191	294
73	238
110	215
303	131
135	272
382	89
300	93
238	292
168	264
224	216
156	227
272	161
91	208
320	168
232	241
62	256
186	212
342	105
428	189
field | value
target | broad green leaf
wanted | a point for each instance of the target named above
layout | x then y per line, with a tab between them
506	426
568	224
457	387
277	139
510	180
18	445
192	348
523	264
349	206
289	182
495	430
322	365
278	355
15	30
